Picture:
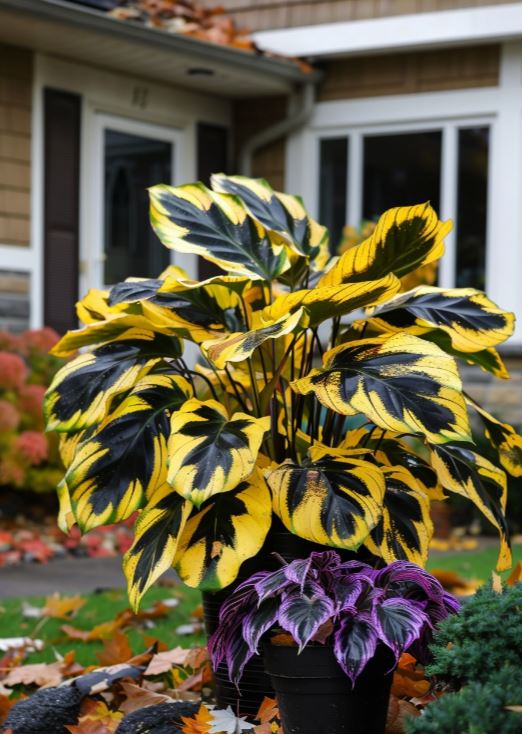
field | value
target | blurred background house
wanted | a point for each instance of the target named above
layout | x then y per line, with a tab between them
403	101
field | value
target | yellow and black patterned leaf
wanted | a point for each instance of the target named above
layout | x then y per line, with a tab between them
209	453
237	347
281	214
331	500
115	467
217	227
405	528
156	538
404	238
324	303
467	473
489	360
229	528
505	439
402	384
473	322
81	392
66	519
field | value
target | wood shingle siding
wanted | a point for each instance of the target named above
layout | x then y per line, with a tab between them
408	73
260	15
15	144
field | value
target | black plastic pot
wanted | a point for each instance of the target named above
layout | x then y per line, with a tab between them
315	696
255	684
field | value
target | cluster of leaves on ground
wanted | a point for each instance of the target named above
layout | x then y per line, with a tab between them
28	458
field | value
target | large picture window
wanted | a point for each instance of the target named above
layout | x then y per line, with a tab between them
447	166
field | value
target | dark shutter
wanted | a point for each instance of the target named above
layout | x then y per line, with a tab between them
212	142
61	207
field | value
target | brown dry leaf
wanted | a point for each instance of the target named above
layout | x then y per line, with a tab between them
98	711
408	682
42	675
153	641
197	656
164	661
5	705
62	607
116	650
88	726
283	640
398	711
454	583
516	709
515	577
496	583
137	698
102	631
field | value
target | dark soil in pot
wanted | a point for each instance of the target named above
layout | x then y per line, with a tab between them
315	696
255	684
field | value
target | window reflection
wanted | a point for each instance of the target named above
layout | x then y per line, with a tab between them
333	171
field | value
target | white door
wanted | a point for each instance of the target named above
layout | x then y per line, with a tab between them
123	158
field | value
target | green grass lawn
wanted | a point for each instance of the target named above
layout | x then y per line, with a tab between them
472	565
100	607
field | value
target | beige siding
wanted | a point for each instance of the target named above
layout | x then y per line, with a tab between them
265	14
250	117
407	73
15	144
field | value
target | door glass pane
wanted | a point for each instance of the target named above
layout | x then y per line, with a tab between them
132	164
472	194
400	170
333	169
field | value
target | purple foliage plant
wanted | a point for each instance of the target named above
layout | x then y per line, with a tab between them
322	599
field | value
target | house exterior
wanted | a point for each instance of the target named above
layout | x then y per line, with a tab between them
408	100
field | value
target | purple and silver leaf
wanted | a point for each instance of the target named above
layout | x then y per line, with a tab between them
354	644
403	578
301	614
399	623
272	583
298	571
237	656
259	621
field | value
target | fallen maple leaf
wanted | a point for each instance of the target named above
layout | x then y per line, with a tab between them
515	577
164	661
115	650
224	721
199	724
43	675
137	698
62	607
408	681
268	717
398	711
99	712
102	631
5	705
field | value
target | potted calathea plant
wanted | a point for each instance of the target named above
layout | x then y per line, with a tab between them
348	624
326	402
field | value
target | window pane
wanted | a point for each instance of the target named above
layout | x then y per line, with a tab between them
472	195
333	171
132	164
400	170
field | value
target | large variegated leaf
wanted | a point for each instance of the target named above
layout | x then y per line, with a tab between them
463	471
404	238
332	500
229	528
217	227
115	467
81	392
405	528
210	453
237	347
320	304
280	214
473	322
505	439
402	384
156	539
489	360
119	326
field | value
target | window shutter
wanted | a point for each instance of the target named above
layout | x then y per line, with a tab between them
212	142
61	207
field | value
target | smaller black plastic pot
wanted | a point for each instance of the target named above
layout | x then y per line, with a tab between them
315	696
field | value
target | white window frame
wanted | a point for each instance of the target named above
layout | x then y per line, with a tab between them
92	255
499	107
448	171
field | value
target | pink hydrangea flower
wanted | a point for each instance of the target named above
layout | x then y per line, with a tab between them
31	446
41	340
11	473
9	417
31	401
13	371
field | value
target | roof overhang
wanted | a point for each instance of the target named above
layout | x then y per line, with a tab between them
465	26
83	34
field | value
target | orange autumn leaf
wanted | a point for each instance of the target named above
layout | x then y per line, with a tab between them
515	577
162	662
42	675
5	705
99	711
137	697
267	711
88	726
62	607
408	681
199	724
398	711
102	631
116	650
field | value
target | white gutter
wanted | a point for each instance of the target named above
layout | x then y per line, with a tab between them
464	26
